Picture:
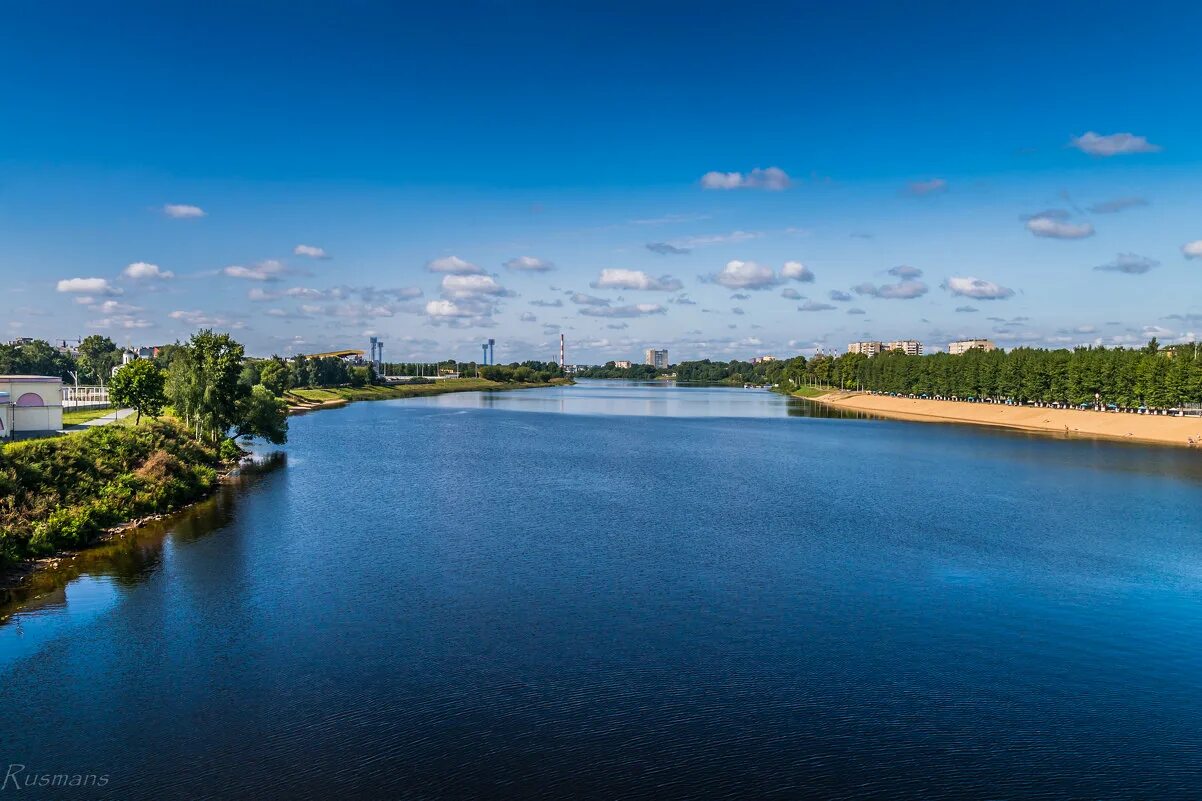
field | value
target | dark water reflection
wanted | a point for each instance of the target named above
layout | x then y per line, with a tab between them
629	591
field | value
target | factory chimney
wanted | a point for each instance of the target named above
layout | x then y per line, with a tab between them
561	363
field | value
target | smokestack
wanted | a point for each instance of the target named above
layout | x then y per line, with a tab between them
561	363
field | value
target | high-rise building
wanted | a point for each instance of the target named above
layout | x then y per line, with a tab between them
656	358
965	345
910	347
869	349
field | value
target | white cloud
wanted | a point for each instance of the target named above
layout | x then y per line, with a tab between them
529	264
581	299
634	310
183	211
745	275
771	178
453	265
978	288
547	303
1192	250
310	251
458	287
838	295
269	270
122	320
92	286
141	270
933	186
1116	144
1046	225
1129	263
717	239
666	249
796	271
635	279
447	308
906	289
814	306
790	293
197	317
527	317
905	271
115	307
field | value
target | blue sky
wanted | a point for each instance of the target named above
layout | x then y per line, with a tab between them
804	174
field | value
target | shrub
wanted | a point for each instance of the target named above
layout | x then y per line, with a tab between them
63	492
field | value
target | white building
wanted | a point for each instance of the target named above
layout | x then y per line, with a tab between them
965	345
910	347
657	358
30	404
623	364
763	359
869	349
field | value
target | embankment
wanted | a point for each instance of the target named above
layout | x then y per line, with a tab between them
1148	428
65	492
303	400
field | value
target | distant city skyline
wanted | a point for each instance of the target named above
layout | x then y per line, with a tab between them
738	181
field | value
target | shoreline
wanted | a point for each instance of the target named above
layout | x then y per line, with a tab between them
13	576
308	400
1145	429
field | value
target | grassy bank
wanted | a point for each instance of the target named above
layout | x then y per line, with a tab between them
62	493
302	398
73	417
812	392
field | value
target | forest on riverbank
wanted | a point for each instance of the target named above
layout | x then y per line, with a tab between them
1153	376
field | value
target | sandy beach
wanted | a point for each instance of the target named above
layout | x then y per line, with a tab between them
1112	425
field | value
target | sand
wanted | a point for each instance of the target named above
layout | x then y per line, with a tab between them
1112	425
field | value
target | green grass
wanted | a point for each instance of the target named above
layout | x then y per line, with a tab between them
63	492
74	417
813	392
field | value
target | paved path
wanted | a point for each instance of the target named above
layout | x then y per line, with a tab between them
119	414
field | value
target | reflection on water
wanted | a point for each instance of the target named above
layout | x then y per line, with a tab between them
615	590
53	601
638	399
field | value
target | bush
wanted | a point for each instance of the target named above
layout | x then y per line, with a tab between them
58	493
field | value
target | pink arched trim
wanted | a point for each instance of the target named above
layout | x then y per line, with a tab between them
31	399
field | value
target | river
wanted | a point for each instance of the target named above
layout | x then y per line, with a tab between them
634	590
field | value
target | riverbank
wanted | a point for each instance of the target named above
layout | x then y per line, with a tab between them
306	400
1153	429
66	492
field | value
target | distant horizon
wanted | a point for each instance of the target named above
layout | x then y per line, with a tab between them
739	182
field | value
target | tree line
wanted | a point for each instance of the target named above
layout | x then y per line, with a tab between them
1153	377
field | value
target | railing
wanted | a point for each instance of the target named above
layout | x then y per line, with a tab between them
76	397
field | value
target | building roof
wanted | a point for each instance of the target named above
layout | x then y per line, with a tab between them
30	379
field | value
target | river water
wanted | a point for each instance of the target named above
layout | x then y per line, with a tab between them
633	590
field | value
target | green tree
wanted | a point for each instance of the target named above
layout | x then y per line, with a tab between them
203	384
140	385
274	376
98	356
262	414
